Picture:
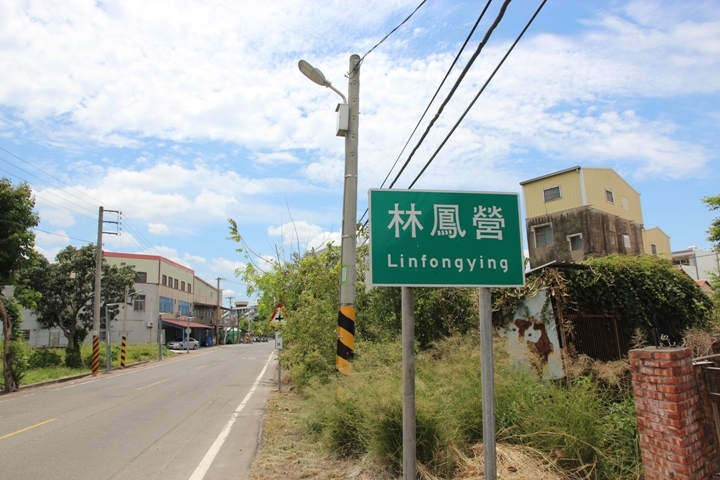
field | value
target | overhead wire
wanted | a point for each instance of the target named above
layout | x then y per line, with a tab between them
502	61
459	80
137	238
357	65
427	108
97	202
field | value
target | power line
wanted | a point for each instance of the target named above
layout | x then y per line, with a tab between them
357	65
61	235
98	202
480	47
447	74
478	94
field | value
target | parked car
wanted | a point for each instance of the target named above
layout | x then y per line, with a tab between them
179	345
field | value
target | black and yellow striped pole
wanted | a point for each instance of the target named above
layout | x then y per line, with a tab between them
346	338
122	353
96	355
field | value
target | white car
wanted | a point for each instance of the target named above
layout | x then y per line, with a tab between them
178	344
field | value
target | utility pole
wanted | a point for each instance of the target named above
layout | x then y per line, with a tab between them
346	311
230	299
96	312
98	297
124	329
348	124
217	319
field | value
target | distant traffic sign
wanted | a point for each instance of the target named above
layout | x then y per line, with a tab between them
437	238
278	314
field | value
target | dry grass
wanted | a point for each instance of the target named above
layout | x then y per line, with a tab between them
513	463
289	452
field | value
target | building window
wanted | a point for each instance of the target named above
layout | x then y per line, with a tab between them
609	196
26	335
175	285
575	241
189	288
653	247
626	241
182	286
551	194
139	303
625	203
543	236
164	279
141	277
170	280
166	305
612	239
184	307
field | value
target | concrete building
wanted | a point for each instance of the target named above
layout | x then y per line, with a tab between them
699	264
581	211
169	296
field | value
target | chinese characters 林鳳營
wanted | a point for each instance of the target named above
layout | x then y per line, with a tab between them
488	221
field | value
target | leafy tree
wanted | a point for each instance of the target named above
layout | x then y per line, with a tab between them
713	203
308	288
16	251
66	290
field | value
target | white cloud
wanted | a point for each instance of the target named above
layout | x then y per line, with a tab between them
158	229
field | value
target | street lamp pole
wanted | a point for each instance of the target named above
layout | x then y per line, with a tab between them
347	112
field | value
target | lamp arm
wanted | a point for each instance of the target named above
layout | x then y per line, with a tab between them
336	91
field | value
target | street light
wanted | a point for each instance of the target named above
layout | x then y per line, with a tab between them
348	113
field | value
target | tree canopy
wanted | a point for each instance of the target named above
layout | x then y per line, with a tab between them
713	203
16	251
16	220
66	292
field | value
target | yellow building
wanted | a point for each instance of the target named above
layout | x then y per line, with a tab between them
657	242
581	211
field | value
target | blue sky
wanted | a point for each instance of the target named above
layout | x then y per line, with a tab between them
184	114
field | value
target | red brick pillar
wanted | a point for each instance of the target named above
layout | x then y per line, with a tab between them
675	439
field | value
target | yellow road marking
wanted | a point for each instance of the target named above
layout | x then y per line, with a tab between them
152	384
28	428
202	366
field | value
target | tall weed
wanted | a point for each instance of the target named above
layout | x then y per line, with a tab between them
587	427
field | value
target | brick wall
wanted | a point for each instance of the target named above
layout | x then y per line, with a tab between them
675	423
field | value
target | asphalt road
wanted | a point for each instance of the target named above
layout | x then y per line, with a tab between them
194	416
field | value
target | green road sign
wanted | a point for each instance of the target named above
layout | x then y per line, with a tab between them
425	238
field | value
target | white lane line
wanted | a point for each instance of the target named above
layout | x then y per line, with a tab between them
209	457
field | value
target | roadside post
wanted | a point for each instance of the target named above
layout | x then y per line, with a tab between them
108	350
279	347
428	238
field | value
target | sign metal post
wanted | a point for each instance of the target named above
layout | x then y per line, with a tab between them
423	238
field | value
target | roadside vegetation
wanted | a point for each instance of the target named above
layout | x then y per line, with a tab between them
582	426
34	365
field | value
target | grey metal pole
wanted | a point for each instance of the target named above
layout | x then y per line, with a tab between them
159	337
346	312
488	383
108	355
408	379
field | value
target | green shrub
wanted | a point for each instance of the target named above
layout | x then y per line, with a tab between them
45	357
588	426
19	363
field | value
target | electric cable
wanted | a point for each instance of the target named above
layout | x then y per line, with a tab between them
357	65
422	117
478	94
479	49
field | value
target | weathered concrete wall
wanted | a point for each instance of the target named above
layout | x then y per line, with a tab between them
602	234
